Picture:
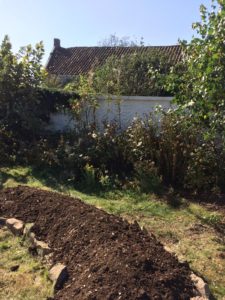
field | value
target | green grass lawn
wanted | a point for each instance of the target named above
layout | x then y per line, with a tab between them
188	230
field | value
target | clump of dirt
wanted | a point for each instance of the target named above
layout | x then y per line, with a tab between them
107	258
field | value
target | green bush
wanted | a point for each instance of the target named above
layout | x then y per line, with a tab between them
167	144
148	176
206	169
71	153
8	146
174	152
178	147
21	75
134	74
89	177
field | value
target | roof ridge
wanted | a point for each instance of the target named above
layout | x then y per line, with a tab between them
115	47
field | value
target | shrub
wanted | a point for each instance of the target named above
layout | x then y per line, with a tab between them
206	169
89	177
133	74
148	176
8	146
174	152
178	147
200	85
21	75
167	144
74	154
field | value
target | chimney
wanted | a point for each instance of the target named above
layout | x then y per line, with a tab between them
57	43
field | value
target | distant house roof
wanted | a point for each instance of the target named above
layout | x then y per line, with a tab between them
80	60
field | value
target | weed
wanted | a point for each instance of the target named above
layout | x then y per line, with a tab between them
4	246
212	219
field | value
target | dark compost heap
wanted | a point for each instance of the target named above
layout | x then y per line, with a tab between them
106	257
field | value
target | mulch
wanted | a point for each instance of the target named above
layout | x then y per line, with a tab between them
107	258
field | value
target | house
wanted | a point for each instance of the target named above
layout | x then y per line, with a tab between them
69	62
65	63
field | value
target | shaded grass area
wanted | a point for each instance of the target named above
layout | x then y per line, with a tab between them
187	229
29	281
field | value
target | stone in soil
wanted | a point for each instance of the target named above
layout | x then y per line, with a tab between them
58	274
37	247
42	248
201	287
15	225
27	229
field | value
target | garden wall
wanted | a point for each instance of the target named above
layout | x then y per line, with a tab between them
121	109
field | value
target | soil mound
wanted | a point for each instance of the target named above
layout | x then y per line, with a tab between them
107	258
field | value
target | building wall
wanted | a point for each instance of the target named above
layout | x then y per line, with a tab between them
121	109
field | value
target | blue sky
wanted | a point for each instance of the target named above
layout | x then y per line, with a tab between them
86	22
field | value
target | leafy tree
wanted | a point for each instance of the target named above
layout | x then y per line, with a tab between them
21	75
125	41
83	106
201	84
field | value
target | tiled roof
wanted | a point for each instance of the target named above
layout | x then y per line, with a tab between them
80	60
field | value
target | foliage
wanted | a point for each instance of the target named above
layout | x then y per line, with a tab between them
53	82
206	167
20	76
83	106
89	177
24	104
201	87
133	74
8	146
51	100
199	84
125	41
82	156
178	150
148	177
166	144
144	156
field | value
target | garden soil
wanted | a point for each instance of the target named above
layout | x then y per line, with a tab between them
107	258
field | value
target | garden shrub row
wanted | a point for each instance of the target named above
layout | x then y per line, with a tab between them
146	156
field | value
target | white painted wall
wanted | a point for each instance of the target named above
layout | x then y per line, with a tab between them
121	109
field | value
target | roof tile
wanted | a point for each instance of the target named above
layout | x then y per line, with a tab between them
81	60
